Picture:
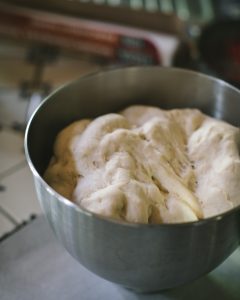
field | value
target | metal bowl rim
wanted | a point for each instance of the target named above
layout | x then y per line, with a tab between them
81	209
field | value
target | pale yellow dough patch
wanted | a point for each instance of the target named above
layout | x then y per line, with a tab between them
148	165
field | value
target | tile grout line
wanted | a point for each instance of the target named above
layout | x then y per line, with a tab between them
10	171
8	216
13	169
3	175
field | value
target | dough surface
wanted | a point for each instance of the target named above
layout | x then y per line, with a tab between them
148	165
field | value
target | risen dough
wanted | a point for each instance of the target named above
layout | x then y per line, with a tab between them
148	165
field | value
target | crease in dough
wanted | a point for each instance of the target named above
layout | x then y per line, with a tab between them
148	165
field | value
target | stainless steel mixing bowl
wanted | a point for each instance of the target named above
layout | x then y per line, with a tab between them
140	257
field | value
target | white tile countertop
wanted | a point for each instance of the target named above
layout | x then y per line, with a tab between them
18	201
